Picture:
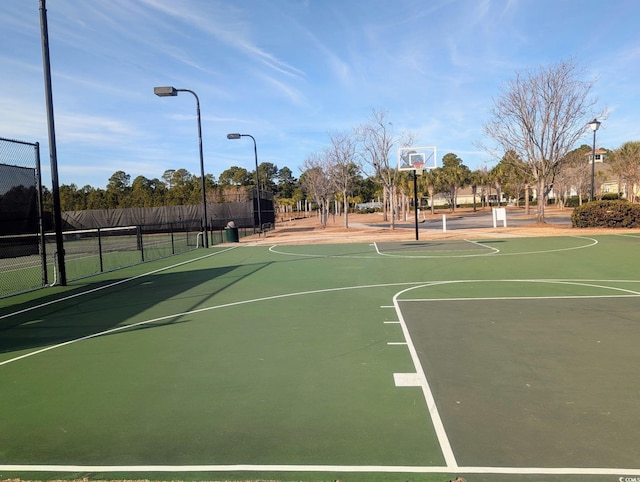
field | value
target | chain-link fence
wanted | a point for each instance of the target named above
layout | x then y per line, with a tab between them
96	250
22	246
96	241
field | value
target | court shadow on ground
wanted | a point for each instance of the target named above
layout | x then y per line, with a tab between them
296	230
95	308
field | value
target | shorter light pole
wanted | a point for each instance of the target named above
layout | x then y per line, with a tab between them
255	152
415	201
594	124
173	92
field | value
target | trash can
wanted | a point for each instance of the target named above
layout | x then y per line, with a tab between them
231	232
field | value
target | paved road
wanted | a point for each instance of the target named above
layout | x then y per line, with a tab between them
482	220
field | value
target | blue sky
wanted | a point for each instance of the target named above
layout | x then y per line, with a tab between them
290	72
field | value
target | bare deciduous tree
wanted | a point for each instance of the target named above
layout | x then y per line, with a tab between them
377	142
562	187
625	162
578	170
343	169
315	179
541	115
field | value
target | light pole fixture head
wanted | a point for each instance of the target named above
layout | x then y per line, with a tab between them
233	136
165	91
594	124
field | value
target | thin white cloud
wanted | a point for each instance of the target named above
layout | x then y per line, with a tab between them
22	120
291	93
340	68
95	130
231	31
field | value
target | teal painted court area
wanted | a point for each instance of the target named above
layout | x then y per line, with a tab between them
496	359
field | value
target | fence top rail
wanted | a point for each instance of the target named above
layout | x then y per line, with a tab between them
15	141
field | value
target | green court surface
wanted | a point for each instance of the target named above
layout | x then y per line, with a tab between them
495	360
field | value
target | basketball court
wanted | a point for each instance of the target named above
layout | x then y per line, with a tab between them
494	359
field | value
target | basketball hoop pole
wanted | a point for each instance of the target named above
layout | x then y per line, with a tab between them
416	159
415	200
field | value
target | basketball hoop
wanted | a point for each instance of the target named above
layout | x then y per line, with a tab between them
416	159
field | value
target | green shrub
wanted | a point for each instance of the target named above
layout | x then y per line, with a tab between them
572	202
606	214
610	196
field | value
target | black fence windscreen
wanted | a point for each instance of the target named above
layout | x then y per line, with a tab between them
18	200
21	221
96	241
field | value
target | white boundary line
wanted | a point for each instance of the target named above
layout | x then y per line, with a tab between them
585	283
438	426
199	310
593	243
412	284
482	244
307	255
492	252
323	468
93	290
449	456
433	410
495	252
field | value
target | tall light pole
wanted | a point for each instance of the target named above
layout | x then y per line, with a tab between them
594	124
55	184
172	92
255	152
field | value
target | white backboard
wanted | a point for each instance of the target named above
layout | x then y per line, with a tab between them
417	158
